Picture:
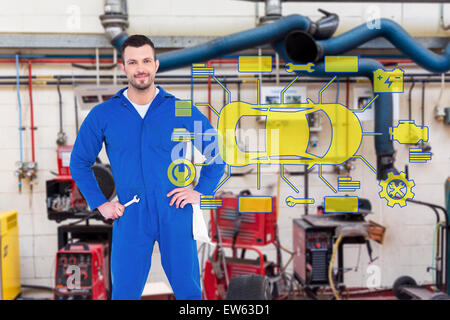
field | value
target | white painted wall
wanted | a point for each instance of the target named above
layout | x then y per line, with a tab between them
409	237
205	17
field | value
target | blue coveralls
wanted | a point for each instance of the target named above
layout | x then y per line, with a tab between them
139	151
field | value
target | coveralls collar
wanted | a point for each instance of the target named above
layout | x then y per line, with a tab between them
156	101
161	93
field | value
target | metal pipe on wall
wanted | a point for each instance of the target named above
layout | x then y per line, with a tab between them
18	173
180	80
20	109
232	43
115	21
30	91
61	137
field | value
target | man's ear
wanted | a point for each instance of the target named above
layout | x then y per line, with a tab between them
122	67
157	65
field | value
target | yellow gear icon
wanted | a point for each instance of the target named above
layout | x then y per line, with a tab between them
391	189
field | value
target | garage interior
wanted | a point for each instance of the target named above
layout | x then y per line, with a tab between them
359	88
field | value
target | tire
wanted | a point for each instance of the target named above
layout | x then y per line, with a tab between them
311	292
401	282
249	287
440	296
105	180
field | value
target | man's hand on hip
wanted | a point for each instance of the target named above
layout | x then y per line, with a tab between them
111	210
183	196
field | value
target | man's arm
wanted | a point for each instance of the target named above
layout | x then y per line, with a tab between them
85	150
206	141
210	174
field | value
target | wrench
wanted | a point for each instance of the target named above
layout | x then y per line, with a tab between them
135	199
290	67
291	201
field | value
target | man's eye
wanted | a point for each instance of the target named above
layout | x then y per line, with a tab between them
147	61
131	62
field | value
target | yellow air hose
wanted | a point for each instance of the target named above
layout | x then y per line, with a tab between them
330	268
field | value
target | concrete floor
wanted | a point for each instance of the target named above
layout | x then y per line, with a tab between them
35	294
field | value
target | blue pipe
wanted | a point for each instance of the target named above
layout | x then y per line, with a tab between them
235	42
272	32
119	40
20	117
396	35
20	106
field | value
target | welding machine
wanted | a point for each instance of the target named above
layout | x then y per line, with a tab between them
313	247
319	238
80	272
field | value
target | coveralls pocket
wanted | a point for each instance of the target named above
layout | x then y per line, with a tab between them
182	219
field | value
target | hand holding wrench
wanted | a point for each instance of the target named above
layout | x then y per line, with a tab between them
309	67
135	199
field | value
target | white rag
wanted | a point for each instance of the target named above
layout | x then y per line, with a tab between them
199	229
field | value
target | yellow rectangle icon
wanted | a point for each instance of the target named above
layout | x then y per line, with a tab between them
341	204
183	108
341	63
255	204
255	63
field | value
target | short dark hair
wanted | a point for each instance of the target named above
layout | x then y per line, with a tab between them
137	40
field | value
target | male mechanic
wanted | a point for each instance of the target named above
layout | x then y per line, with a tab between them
136	125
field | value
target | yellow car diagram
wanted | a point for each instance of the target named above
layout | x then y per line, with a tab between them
287	134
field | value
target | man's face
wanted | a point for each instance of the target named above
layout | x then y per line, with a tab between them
140	66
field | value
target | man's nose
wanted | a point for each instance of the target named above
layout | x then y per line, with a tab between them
140	67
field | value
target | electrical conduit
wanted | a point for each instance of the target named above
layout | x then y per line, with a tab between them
30	91
20	115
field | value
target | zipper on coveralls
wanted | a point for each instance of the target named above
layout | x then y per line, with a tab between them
141	156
